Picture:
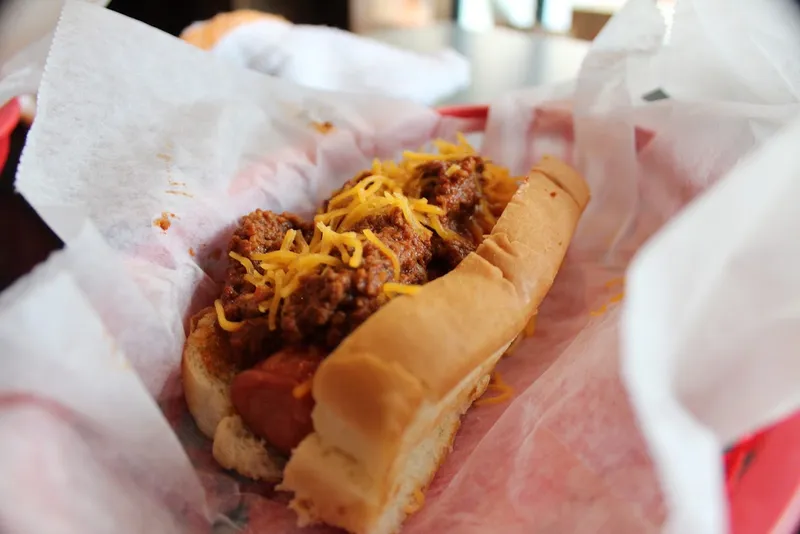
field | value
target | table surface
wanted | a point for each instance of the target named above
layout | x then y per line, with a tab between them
502	60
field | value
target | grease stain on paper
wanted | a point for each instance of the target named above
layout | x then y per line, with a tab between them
323	127
167	158
165	221
174	192
614	282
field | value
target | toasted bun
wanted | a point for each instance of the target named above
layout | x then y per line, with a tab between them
206	374
208	33
206	382
389	399
235	447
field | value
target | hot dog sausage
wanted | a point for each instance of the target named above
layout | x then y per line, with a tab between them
271	400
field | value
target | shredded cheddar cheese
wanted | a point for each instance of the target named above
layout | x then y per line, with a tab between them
393	288
604	308
530	328
337	239
322	127
417	503
514	344
288	239
436	224
389	253
302	390
528	331
420	157
244	261
503	390
615	282
273	306
301	244
224	323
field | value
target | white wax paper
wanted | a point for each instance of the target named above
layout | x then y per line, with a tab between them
718	359
26	30
334	59
84	448
743	52
151	127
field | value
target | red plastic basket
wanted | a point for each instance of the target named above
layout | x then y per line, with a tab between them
762	471
764	480
9	117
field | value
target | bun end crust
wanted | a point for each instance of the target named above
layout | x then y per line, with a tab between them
390	398
206	383
206	377
236	448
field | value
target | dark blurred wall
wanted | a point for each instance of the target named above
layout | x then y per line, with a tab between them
326	12
172	16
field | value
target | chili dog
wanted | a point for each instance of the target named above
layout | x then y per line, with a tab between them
350	345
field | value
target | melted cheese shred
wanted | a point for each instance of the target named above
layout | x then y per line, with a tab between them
528	331
336	241
605	307
389	253
530	328
498	385
418	501
393	288
225	324
303	389
443	232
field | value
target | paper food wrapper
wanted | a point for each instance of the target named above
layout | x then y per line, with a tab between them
26	31
338	60
143	157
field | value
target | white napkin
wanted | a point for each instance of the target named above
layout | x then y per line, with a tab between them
26	30
333	59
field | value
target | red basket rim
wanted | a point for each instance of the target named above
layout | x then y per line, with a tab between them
478	111
9	117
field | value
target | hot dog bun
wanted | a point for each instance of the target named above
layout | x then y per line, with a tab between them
206	374
206	382
236	448
389	399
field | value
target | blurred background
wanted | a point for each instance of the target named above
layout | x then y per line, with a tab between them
508	44
582	19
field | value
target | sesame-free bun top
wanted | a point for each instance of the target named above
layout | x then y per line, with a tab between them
390	397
